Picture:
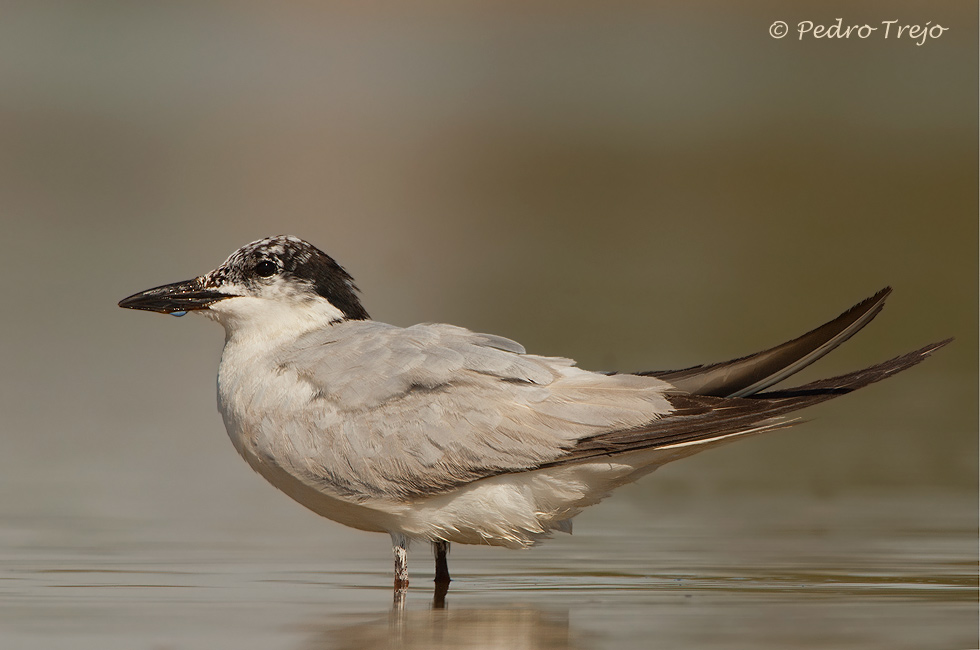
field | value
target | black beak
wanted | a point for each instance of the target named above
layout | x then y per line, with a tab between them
177	297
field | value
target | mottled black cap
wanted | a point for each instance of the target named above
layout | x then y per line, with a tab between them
290	258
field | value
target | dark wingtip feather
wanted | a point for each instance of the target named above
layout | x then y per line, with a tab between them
851	381
748	375
711	419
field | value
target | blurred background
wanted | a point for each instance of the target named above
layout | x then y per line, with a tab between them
644	186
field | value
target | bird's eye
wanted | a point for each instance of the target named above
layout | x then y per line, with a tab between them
266	268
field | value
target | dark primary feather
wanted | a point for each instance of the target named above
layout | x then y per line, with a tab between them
749	375
707	417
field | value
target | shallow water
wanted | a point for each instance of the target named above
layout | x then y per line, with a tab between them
734	571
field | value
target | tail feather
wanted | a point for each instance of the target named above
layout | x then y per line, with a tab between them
749	375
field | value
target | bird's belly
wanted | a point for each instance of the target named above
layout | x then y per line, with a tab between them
369	515
519	510
241	399
515	510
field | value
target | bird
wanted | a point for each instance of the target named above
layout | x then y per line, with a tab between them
436	433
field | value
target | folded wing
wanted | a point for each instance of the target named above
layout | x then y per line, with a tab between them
400	413
404	413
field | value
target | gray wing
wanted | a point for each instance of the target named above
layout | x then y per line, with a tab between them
407	412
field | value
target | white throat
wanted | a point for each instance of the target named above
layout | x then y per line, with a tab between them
249	317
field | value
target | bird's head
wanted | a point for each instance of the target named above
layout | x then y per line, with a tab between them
274	283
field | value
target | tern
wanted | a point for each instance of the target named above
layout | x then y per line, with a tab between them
439	434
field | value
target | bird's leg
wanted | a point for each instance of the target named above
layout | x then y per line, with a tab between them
400	547
441	550
401	566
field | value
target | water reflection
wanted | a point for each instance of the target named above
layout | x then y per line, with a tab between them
438	596
512	627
